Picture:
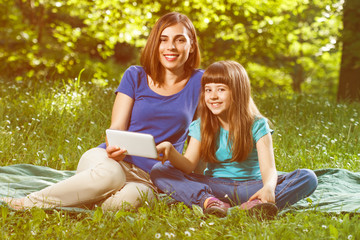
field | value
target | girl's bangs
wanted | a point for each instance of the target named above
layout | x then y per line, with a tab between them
216	73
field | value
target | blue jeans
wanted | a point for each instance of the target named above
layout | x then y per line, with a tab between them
194	188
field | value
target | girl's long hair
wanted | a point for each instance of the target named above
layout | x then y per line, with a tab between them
241	113
149	58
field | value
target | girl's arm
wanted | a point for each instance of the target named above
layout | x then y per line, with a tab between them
267	168
119	120
187	162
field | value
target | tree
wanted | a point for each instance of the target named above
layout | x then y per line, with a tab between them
281	43
349	81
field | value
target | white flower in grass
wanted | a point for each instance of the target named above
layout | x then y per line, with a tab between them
169	235
187	233
192	229
324	226
211	223
157	235
350	236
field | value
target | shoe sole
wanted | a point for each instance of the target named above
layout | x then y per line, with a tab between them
214	211
264	211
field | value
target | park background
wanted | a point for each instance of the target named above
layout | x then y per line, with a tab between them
292	45
62	60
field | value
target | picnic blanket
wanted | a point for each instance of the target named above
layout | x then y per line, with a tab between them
338	189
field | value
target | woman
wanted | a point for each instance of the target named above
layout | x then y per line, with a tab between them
160	98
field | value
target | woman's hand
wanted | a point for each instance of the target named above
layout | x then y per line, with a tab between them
265	194
115	153
163	150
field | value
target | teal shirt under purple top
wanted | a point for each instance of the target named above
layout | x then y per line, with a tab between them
167	118
248	169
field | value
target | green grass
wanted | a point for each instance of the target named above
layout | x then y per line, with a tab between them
52	124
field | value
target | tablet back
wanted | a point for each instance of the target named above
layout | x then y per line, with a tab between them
137	144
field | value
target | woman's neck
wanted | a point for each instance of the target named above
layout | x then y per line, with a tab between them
172	83
172	77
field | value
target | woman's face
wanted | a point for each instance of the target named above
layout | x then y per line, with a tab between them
175	47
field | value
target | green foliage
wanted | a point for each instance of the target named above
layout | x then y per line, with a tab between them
56	39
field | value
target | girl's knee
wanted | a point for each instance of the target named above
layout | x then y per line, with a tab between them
309	178
158	169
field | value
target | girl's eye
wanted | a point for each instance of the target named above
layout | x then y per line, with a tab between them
221	89
207	90
181	40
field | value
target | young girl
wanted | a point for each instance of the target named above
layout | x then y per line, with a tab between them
235	140
160	97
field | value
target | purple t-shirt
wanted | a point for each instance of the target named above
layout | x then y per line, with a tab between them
167	118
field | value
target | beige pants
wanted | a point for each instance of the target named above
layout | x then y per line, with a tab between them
99	180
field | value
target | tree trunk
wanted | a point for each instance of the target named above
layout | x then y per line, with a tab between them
349	81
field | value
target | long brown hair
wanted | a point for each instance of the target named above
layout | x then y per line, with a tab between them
150	55
241	113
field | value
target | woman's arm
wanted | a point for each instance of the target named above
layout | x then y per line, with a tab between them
187	162
120	117
267	168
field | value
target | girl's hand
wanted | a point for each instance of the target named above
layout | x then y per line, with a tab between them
115	153
163	150
265	195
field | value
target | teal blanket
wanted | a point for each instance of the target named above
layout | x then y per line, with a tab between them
338	189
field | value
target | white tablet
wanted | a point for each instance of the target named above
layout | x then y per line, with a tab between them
137	144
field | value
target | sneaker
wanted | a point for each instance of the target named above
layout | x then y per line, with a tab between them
216	207
259	209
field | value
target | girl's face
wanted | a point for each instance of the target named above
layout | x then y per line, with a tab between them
175	47
218	99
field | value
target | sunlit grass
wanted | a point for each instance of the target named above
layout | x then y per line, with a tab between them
53	123
314	132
